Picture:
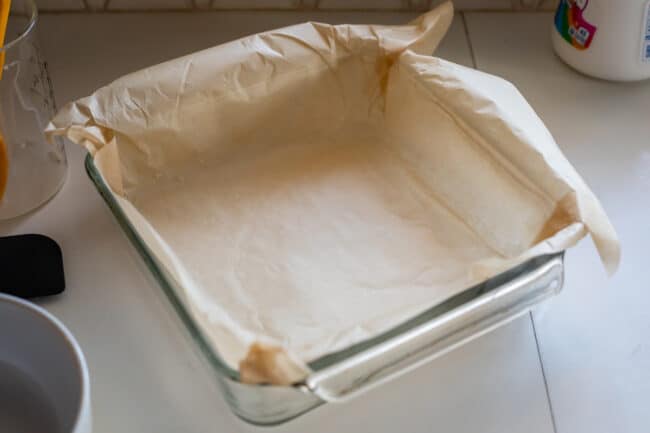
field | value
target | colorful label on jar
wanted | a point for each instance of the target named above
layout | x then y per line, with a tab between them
571	24
645	46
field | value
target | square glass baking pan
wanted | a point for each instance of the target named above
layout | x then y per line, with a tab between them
344	374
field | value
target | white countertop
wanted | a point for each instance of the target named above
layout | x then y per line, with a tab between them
594	338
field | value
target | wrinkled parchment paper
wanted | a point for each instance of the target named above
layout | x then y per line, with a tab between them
313	186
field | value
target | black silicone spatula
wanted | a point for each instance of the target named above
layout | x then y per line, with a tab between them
30	266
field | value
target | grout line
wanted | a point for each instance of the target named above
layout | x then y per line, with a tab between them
244	9
469	41
541	364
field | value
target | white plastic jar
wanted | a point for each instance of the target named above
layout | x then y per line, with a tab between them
607	39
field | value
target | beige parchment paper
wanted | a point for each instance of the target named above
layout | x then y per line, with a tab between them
313	186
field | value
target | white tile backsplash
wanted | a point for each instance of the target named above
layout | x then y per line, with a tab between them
148	4
101	5
255	4
202	4
96	5
60	4
548	5
483	4
363	4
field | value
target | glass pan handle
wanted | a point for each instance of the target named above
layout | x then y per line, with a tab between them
434	338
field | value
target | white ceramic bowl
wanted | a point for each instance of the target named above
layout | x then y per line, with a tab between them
44	384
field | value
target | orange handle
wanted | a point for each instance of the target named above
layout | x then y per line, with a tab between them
5	6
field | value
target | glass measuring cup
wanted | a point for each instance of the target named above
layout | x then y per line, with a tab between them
32	170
